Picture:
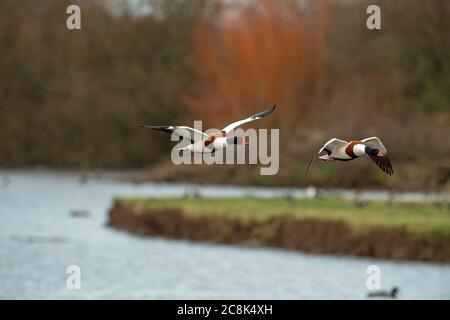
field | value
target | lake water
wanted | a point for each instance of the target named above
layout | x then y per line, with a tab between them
118	265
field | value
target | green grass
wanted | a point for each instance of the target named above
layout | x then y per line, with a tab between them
417	218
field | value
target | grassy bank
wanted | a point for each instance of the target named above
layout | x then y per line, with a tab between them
398	231
418	218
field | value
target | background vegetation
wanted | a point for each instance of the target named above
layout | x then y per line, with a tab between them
70	99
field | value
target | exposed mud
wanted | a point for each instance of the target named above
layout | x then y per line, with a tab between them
308	235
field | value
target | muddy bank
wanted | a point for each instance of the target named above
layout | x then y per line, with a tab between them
288	232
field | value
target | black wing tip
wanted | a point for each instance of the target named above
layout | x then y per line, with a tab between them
388	165
309	166
264	113
143	126
151	127
384	164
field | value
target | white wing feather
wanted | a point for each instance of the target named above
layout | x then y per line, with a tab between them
333	144
375	143
254	117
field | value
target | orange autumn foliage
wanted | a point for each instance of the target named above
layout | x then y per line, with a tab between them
250	56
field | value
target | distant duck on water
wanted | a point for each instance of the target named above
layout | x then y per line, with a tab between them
384	294
336	149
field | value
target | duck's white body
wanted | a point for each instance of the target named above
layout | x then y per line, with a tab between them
344	151
219	143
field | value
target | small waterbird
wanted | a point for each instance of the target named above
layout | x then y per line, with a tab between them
384	294
336	149
204	143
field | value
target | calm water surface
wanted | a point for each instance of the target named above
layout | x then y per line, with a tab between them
118	265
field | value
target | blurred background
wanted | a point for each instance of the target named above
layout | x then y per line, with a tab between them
70	100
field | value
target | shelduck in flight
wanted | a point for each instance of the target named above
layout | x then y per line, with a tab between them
204	143
341	150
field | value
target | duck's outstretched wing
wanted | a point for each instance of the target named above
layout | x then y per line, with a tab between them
383	162
254	117
332	145
381	159
327	148
374	143
192	134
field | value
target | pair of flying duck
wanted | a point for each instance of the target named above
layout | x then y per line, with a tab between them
334	149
